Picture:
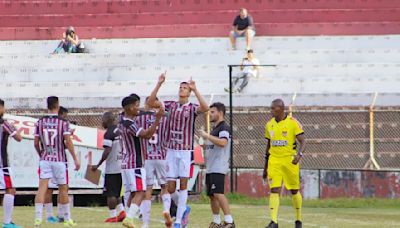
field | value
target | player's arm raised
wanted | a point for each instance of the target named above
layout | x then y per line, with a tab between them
71	149
149	132
152	101
202	102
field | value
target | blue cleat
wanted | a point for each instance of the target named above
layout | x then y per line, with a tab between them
177	225
52	219
185	217
10	225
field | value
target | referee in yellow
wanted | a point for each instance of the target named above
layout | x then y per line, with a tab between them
285	147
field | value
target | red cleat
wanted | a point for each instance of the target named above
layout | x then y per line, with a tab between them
111	220
121	216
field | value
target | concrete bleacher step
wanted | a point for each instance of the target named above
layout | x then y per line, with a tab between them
127	6
200	17
168	45
312	56
362	71
202	30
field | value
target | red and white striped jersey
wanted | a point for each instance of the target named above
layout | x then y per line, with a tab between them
6	130
154	148
181	124
132	156
51	130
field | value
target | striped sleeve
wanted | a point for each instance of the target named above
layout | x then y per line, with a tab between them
9	128
66	128
168	105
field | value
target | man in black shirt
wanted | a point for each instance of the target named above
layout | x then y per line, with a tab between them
243	26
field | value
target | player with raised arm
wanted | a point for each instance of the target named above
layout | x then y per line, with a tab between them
52	137
7	130
133	172
112	155
182	115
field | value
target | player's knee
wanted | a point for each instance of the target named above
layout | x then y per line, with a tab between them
275	190
294	192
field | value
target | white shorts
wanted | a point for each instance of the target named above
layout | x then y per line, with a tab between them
134	180
179	164
155	169
51	184
5	178
57	172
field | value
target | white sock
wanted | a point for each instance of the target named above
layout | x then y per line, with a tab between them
49	209
126	199
8	206
166	199
175	197
133	211
145	209
120	208
228	219
183	196
217	218
60	212
113	213
66	211
39	211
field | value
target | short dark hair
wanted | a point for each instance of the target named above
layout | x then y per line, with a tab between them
52	102
250	51
135	96
62	111
219	106
129	100
1	102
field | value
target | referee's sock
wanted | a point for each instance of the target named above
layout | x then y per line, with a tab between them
297	200
274	206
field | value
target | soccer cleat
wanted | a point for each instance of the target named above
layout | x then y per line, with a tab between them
52	219
121	216
298	224
215	225
128	223
70	223
177	225
60	219
111	220
168	220
228	225
10	225
38	223
185	217
272	224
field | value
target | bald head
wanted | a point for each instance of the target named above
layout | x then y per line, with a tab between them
278	108
108	119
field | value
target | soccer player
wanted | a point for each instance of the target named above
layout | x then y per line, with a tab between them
7	130
155	164
113	181
48	202
52	136
182	115
282	159
133	173
217	164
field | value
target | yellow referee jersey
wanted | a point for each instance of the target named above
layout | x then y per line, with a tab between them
282	136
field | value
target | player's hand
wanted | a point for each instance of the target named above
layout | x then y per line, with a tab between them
296	159
77	165
202	133
95	167
192	85
161	78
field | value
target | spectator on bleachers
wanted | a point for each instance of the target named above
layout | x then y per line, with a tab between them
70	42
248	68
243	26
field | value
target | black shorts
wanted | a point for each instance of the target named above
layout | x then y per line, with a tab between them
112	185
215	183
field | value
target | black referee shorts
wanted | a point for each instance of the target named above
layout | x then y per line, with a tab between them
112	185
215	183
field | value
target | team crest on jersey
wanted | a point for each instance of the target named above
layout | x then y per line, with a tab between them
284	133
271	133
186	113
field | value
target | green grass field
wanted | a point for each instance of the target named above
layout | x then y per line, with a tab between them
351	213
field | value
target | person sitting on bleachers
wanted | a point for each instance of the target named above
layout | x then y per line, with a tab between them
70	42
249	67
243	26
